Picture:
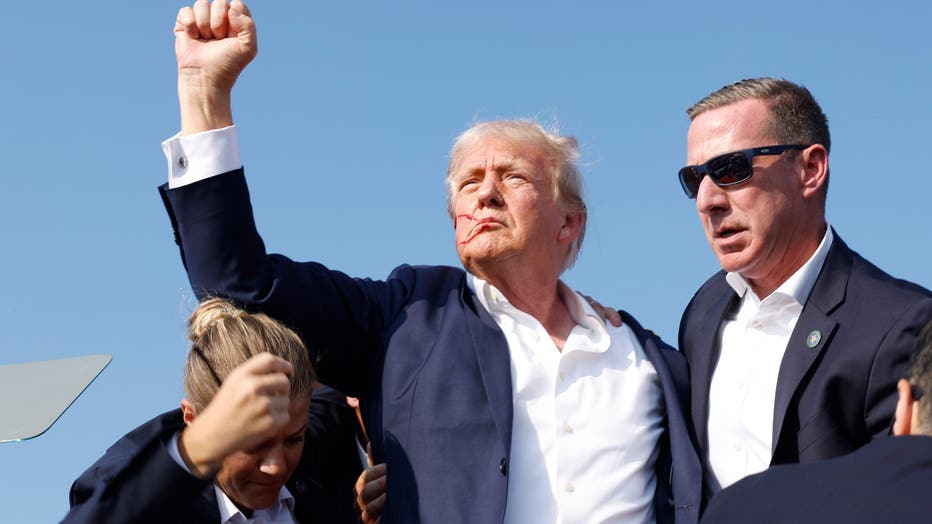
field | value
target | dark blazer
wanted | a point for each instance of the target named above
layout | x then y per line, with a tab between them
885	481
835	397
137	480
429	364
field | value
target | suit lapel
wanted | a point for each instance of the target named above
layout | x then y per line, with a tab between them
208	511
494	363
704	355
813	332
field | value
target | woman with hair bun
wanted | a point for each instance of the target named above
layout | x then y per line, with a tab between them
227	454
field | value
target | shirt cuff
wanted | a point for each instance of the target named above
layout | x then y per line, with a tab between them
192	158
172	448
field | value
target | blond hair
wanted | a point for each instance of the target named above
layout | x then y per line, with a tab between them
223	337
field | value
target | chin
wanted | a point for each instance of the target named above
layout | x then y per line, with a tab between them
264	498
733	262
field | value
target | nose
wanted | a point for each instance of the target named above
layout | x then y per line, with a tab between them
710	196
489	194
273	462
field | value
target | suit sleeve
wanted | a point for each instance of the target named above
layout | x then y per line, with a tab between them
341	319
136	481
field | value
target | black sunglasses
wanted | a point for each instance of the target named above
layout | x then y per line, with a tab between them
728	169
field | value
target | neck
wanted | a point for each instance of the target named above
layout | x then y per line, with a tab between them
537	296
795	258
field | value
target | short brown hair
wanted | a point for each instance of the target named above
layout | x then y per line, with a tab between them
797	117
224	336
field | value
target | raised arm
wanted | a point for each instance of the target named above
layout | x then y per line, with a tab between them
213	44
209	206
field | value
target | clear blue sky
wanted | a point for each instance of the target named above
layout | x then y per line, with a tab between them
346	117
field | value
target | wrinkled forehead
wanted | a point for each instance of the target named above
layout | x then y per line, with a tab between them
497	153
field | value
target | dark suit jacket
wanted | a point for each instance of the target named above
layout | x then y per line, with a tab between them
429	364
837	396
885	481
137	480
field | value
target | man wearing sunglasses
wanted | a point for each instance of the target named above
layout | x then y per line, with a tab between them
796	346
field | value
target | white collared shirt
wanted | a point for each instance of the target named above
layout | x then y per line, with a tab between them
586	420
280	512
744	383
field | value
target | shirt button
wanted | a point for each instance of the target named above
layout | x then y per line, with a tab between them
567	428
570	487
183	161
562	376
757	324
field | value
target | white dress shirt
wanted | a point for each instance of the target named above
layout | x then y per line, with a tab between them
280	512
586	420
744	383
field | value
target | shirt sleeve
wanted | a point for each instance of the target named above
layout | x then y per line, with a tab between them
192	158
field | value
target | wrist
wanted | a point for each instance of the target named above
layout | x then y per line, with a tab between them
204	104
195	452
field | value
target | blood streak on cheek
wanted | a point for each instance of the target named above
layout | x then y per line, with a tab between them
456	219
478	228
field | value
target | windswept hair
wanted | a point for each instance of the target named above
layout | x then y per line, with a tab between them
561	153
223	337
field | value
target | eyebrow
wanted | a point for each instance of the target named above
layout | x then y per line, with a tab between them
300	431
501	165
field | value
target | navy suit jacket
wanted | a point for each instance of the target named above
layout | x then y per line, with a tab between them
429	364
835	397
885	481
138	481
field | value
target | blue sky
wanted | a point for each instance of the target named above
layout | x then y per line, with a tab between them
346	118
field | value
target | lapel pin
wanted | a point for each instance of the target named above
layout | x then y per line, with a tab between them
815	336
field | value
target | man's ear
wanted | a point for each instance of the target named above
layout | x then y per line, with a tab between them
189	411
903	419
815	169
572	225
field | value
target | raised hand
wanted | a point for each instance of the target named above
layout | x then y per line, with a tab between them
214	42
249	408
